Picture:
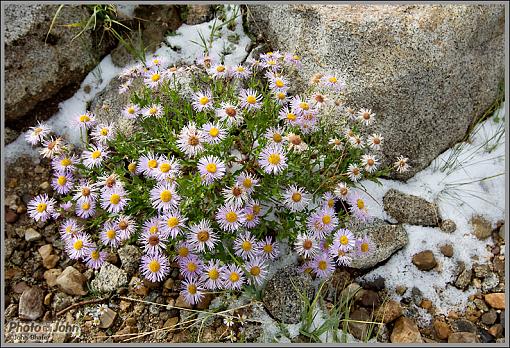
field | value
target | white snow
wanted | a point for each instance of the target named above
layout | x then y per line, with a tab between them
476	196
101	76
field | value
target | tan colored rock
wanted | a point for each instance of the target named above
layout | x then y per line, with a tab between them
50	261
405	331
107	319
45	250
181	302
388	312
441	329
72	282
463	337
496	300
51	276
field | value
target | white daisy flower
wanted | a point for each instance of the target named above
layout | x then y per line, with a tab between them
103	132
95	156
191	140
153	110
36	134
202	101
342	190
296	198
295	143
230	114
235	195
211	168
213	133
275	134
370	162
354	172
306	246
272	159
401	164
375	141
366	116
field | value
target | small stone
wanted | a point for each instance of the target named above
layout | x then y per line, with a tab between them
496	300
356	327
482	228
44	186
32	235
169	284
405	331
71	281
484	336
426	304
448	226
11	216
20	287
370	299
376	284
490	282
453	315
463	279
388	312
31	304
481	271
124	305
182	303
125	333
462	325
107	319
480	304
129	257
45	250
490	317
50	261
441	329
353	290
463	337
142	290
446	250
109	279
424	260
472	314
410	209
400	290
171	322
51	276
205	302
47	298
501	232
496	330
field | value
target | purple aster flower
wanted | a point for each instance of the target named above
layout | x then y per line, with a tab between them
164	196
95	259
201	235
212	275
211	168
114	200
79	246
246	246
322	223
268	249
70	228
86	209
154	267
153	242
191	266
202	101
62	182
358	207
126	225
233	277
249	99
256	270
110	234
192	290
41	207
322	265
364	246
344	240
172	223
307	246
230	218
64	163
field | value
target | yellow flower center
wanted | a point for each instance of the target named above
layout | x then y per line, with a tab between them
153	111
131	110
203	100
94	255
214	132
296	197
110	234
295	57
165	167
213	274
132	167
280	95
231	217
211	168
239	69
322	265
38	130
326	219
61	180
154	266
331	203
85	206
84	118
364	247
172	222
304	106
78	245
268	248
332	79
203	236
251	99
95	154
152	163
250	217
154	229
246	245
165	196
191	266
291	116
247	183
274	158
115	198
41	207
234	277
220	68
279	83
192	289
65	162
360	204
277	137
155	77
104	131
255	271
344	240
183	251
155	61
256	208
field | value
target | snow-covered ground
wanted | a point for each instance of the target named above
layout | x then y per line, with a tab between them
476	185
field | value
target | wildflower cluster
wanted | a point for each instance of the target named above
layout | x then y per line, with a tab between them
220	164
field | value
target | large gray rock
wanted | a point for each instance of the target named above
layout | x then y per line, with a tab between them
109	279
409	209
427	71
283	294
387	238
36	71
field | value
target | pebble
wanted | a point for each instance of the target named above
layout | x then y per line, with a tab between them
463	325
31	304
490	317
448	226
11	216
481	271
463	337
405	331
356	327
370	299
426	304
480	304
107	319
496	330
400	290
353	290
463	279
205	302
482	228
388	312
496	300
32	235
71	281
44	186
182	303
51	276
446	250
441	329
169	284
171	322
424	260
490	282
47	298
20	287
